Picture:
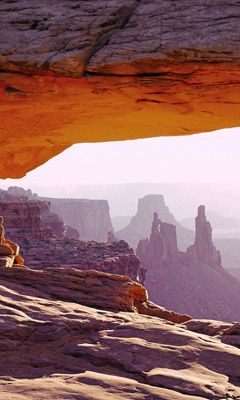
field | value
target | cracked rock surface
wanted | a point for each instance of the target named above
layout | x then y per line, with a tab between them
76	71
54	347
77	37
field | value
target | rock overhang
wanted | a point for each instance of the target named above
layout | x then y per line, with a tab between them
71	73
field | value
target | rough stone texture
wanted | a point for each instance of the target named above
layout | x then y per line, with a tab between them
93	288
203	249
91	218
30	219
50	219
192	282
21	218
156	67
140	225
116	258
9	251
41	235
54	347
71	233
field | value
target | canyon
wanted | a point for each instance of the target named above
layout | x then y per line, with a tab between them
194	280
158	68
91	329
45	240
87	334
86	71
91	218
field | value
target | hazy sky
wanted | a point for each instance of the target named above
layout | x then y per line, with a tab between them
206	157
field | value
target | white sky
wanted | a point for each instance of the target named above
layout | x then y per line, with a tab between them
206	157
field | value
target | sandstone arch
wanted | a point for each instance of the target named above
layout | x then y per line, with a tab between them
75	71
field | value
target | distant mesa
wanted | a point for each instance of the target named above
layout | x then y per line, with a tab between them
194	280
140	225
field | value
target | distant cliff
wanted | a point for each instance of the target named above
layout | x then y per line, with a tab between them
194	281
47	242
91	218
140	225
26	218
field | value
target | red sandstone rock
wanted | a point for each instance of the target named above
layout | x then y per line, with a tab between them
9	251
15	248
91	218
57	343
45	246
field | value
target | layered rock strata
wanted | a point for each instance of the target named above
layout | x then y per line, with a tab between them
55	347
9	251
115	258
46	242
156	67
30	219
91	218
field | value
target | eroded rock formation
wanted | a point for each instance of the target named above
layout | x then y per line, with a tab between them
194	281
9	251
203	249
115	258
156	67
140	225
29	219
81	336
46	242
91	218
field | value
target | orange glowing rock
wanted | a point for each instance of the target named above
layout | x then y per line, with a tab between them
43	115
72	73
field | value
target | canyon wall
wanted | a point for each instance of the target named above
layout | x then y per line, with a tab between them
27	219
193	282
47	242
91	218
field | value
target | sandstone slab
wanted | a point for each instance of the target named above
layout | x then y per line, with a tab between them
53	346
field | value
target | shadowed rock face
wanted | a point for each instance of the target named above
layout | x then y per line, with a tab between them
29	219
156	67
57	343
193	282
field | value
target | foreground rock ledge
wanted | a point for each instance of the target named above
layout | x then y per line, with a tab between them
76	71
53	347
91	288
